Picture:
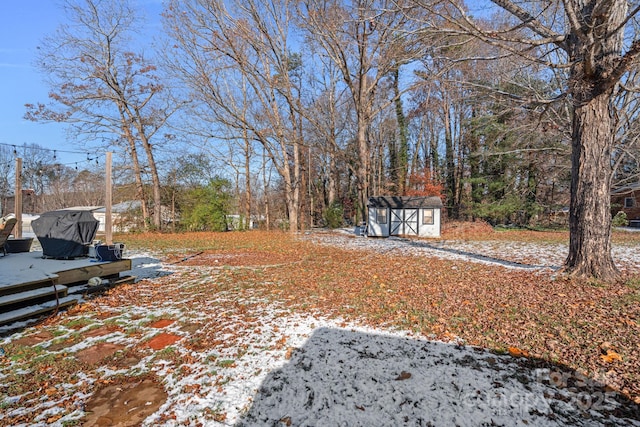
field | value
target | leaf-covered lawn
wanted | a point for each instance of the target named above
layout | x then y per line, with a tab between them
563	321
218	303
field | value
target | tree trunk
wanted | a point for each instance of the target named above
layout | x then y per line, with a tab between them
450	172
591	174
302	172
402	161
364	169
434	157
155	181
333	174
291	196
532	190
474	174
137	172
265	187
247	181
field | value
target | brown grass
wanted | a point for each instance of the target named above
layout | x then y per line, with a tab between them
585	326
559	320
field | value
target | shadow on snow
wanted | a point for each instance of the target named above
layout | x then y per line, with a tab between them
478	257
348	378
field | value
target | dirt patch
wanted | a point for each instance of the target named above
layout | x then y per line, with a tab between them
97	353
162	340
99	332
162	323
34	339
128	360
127	403
64	344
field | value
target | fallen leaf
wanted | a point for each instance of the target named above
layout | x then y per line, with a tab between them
286	421
289	353
611	357
403	376
53	418
516	352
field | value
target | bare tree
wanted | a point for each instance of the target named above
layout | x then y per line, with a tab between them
330	122
595	43
103	87
237	59
367	40
88	187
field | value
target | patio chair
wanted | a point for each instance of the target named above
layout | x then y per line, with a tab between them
5	232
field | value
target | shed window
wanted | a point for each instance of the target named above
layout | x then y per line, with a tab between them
427	216
629	202
381	215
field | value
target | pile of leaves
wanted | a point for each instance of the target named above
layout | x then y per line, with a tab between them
467	229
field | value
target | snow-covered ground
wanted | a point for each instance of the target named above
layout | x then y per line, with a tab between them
244	361
510	254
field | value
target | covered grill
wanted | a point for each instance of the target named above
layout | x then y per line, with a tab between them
66	233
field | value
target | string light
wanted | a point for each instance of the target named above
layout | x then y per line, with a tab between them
36	147
90	158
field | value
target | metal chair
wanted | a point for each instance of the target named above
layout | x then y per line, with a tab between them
5	232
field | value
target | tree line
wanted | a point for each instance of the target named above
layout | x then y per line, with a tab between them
511	114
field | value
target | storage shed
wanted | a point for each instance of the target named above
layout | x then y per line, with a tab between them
404	215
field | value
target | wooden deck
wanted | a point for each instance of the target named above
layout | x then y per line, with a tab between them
31	286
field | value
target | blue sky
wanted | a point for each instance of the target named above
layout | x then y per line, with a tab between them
23	24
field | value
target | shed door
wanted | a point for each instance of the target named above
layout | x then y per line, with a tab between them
411	222
397	218
404	221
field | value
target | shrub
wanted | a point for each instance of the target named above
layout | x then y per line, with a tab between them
620	220
333	215
207	207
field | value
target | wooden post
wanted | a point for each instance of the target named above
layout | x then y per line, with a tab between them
310	191
17	231
108	224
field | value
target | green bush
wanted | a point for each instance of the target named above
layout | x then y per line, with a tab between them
333	215
620	220
206	208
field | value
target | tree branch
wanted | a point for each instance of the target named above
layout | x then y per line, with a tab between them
531	22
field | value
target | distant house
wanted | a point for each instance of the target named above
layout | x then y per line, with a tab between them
235	222
627	200
404	216
126	216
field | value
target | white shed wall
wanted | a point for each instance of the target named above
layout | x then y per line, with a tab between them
374	229
429	230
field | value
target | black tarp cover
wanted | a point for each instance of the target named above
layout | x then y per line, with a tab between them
66	233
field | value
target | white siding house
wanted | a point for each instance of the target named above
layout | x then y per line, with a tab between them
404	216
125	216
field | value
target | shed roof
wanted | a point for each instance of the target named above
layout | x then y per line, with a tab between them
122	207
402	202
